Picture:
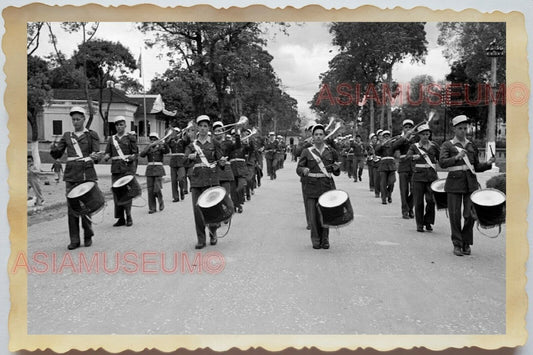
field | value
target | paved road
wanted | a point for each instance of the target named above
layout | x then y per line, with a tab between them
379	277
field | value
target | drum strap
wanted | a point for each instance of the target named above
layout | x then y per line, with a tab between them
202	155
426	157
466	160
117	147
76	146
320	163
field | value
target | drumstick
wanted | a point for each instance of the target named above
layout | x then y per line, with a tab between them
491	151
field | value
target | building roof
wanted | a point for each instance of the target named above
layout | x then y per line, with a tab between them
119	96
139	101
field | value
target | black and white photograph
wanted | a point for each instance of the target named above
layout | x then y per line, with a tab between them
268	178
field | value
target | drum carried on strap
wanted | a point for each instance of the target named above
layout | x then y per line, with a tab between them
488	207
439	195
126	189
86	198
335	209
215	205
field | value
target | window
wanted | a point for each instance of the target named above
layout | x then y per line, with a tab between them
57	127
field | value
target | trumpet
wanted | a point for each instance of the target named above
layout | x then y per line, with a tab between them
338	125
331	121
243	121
254	131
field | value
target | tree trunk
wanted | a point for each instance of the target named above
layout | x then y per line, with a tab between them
372	126
32	119
389	109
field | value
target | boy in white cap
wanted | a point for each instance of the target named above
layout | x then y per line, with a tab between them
405	172
271	146
154	153
460	157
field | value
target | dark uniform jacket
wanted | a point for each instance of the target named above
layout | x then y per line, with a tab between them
385	150
227	147
201	175
80	170
313	187
155	154
358	149
403	144
270	149
128	145
238	158
424	174
177	151
461	181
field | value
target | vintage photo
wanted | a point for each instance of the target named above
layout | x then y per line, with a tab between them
244	178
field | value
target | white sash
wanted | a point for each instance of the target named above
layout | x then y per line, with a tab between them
117	147
465	159
202	155
426	157
76	146
319	162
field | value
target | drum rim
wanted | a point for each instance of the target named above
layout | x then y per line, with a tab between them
77	187
473	194
334	190
126	178
207	192
443	180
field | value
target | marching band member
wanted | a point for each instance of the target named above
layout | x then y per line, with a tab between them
377	159
315	166
387	168
271	146
280	152
240	171
178	169
155	171
370	159
259	147
350	142
82	148
425	155
405	172
122	149
251	162
460	157
358	158
204	153
225	176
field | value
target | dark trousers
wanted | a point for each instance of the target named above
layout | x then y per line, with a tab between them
319	234
358	166
377	181
120	210
233	193
305	206
465	235
198	217
74	220
370	177
154	185
240	189
387	180
406	195
271	166
349	165
421	190
257	176
178	182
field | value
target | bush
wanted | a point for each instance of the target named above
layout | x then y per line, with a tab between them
497	182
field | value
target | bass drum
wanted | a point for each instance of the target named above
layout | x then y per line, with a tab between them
126	189
215	205
439	195
489	207
86	198
335	209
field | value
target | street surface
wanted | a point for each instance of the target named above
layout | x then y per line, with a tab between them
380	276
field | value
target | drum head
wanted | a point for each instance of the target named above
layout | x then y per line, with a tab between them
123	181
438	185
487	197
332	198
81	189
211	197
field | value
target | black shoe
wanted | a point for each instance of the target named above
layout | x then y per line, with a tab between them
466	250
151	211
199	246
129	221
120	222
176	200
88	241
248	198
457	251
383	202
354	180
161	205
360	179
73	246
325	245
405	216
239	209
389	199
420	229
411	214
317	246
308	228
428	227
213	240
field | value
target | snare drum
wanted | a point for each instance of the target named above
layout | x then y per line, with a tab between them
439	195
86	198
215	205
335	209
489	207
126	189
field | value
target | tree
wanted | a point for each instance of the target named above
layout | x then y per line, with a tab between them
103	61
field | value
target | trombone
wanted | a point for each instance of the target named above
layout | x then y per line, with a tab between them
243	121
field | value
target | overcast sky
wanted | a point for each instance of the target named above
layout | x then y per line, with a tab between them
299	58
